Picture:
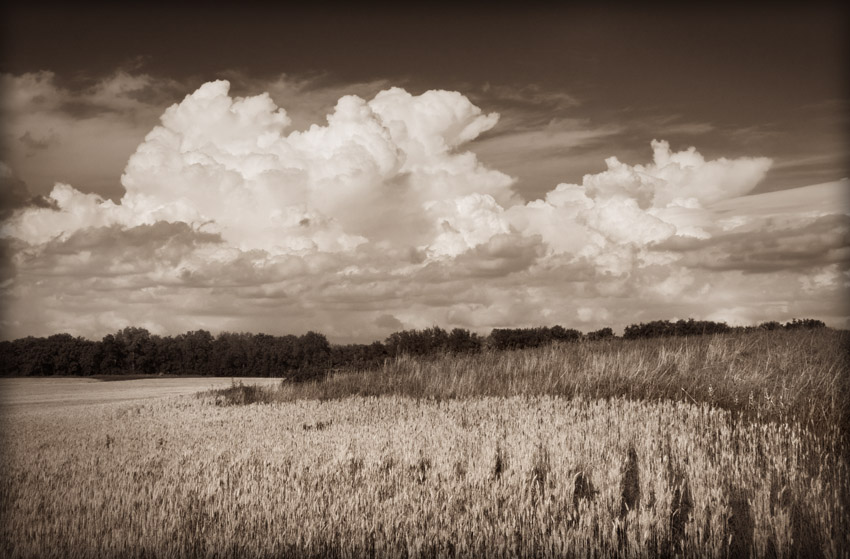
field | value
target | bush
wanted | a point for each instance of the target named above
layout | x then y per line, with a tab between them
238	394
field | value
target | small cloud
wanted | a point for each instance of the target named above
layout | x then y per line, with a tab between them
532	96
34	144
388	322
688	128
673	125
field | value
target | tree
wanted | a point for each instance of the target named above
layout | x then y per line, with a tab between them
314	353
195	352
601	334
139	355
418	342
561	334
111	355
804	323
464	341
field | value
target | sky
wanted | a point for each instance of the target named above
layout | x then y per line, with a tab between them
365	171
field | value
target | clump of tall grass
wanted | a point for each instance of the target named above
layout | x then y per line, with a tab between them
238	394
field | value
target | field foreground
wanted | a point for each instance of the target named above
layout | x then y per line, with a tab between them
402	477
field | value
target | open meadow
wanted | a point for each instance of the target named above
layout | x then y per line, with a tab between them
714	446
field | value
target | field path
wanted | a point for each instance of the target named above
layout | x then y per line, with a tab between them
48	394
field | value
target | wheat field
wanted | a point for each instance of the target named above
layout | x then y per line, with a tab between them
394	476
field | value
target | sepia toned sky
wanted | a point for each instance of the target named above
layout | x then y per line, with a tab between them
362	171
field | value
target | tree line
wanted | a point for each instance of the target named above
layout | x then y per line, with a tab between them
135	351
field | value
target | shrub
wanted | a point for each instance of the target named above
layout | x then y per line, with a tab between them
238	394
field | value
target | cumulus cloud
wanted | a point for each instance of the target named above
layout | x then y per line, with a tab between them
382	215
612	217
683	178
231	161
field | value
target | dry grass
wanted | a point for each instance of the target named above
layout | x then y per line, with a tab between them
399	477
798	376
582	450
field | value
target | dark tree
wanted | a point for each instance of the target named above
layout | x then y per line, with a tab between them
561	334
804	324
464	341
601	334
139	350
418	342
112	352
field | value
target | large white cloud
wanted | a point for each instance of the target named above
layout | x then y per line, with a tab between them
614	215
382	215
374	167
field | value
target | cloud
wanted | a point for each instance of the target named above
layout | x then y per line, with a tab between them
501	255
531	96
14	193
813	200
389	323
612	217
230	161
465	223
34	144
68	210
681	178
383	215
770	245
670	125
79	134
308	99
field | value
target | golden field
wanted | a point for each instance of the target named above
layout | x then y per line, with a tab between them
525	475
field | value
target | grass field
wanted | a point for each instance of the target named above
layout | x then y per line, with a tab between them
588	450
799	376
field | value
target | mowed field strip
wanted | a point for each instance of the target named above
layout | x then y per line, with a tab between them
45	394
